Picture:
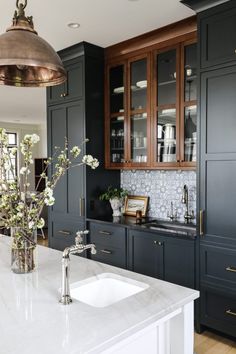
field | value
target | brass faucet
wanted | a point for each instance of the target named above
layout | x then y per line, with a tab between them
188	215
79	247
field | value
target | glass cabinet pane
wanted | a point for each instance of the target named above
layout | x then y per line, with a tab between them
166	78
166	135
190	72
117	89
117	139
139	138
138	89
190	133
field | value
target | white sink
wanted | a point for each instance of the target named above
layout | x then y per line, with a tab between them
105	289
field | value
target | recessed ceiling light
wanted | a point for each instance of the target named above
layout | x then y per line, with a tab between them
73	25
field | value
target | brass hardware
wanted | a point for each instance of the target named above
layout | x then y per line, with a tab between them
62	95
65	94
235	51
201	222
230	312
30	62
81	201
63	232
106	251
158	243
105	233
231	269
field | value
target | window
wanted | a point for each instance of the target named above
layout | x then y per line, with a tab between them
12	143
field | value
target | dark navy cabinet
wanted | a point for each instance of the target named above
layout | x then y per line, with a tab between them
111	243
217	165
75	111
164	257
146	253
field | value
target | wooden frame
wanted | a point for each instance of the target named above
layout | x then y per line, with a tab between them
134	203
175	36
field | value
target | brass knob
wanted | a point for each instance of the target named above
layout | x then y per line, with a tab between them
62	95
235	51
158	243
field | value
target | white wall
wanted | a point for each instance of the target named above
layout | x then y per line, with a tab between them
40	149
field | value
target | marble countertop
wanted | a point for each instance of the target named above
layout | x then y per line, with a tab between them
33	321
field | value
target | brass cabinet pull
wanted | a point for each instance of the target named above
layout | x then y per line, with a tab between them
63	232
231	269
158	243
62	95
230	312
201	222
81	202
106	251
105	233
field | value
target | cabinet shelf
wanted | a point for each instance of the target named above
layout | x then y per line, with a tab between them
167	83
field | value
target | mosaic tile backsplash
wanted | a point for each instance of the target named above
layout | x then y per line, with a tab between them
162	187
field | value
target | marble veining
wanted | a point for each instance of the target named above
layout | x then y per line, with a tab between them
33	321
162	187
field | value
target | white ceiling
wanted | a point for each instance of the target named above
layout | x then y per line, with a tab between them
102	22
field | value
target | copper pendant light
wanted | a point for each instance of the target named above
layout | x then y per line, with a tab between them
26	60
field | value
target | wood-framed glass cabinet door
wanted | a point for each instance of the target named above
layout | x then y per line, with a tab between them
115	126
138	112
166	90
188	104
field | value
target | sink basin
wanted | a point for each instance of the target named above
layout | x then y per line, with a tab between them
105	289
170	227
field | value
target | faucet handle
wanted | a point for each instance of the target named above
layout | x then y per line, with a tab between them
80	236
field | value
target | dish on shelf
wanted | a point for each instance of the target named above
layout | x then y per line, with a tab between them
141	84
119	89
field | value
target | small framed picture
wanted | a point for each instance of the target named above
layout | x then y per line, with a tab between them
134	203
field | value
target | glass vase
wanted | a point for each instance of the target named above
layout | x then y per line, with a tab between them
23	250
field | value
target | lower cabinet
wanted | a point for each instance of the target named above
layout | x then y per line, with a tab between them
218	287
63	234
111	243
162	257
218	310
152	254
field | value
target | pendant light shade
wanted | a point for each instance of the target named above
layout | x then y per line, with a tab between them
26	60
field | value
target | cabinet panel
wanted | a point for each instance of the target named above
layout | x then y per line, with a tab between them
63	234
108	235
68	121
218	266
110	255
146	253
218	39
179	262
219	200
218	110
218	310
72	88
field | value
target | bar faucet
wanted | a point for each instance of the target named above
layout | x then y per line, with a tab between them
187	216
79	247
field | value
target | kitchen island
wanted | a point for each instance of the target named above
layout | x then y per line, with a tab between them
157	320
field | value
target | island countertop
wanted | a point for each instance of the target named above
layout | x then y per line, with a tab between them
33	321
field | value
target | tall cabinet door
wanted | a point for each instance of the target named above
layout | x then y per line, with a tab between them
67	121
218	155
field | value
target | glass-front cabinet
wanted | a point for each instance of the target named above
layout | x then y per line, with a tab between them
151	109
129	111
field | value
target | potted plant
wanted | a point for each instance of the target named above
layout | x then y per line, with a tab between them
20	207
116	198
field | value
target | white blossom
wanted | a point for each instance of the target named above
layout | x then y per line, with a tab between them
40	223
31	225
75	151
24	170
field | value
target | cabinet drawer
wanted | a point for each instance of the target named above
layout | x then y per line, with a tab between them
110	255
107	235
63	234
217	38
218	265
218	311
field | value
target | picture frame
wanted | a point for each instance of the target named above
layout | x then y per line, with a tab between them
134	203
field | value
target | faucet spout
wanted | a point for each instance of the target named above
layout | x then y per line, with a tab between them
79	247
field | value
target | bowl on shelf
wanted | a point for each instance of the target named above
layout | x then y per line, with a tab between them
141	84
119	89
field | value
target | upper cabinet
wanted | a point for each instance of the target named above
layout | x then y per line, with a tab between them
217	36
151	108
72	88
